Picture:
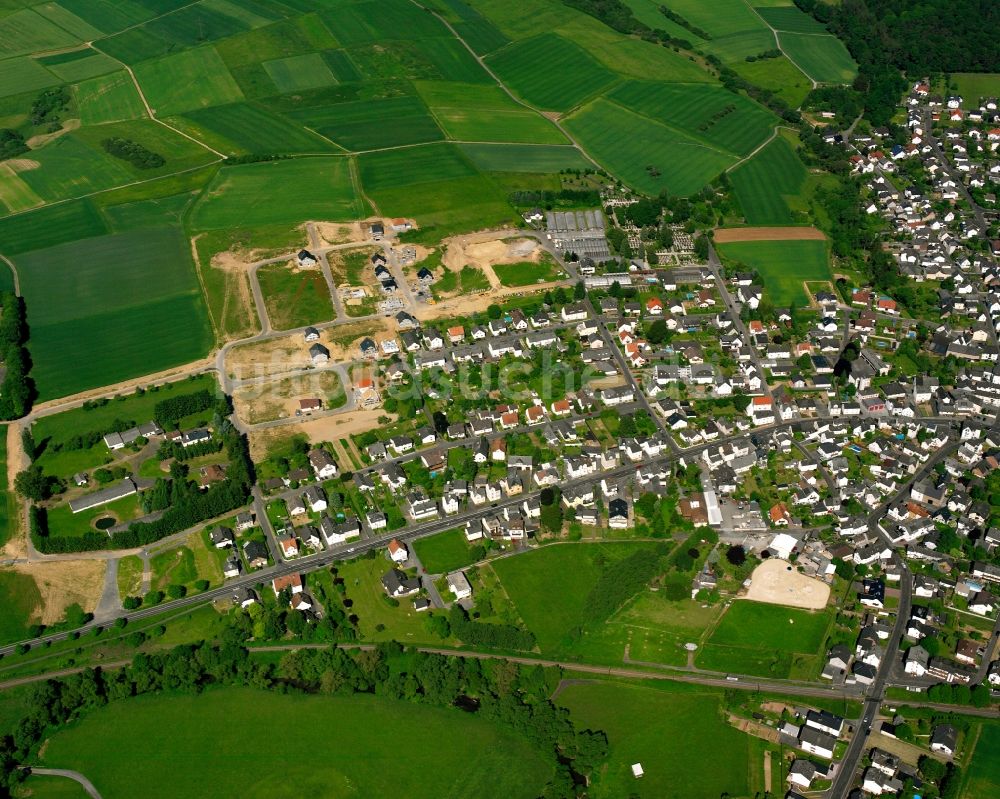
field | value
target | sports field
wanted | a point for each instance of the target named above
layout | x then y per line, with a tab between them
783	265
551	72
652	157
444	552
764	184
669	730
442	752
294	298
822	58
278	192
765	640
108	308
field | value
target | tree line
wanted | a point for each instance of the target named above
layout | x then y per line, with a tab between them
513	696
138	155
17	390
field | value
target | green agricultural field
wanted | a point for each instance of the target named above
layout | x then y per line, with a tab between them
26	31
46	227
149	213
724	120
765	182
108	16
22	75
84	64
527	273
539	70
68	168
296	73
822	58
982	779
109	308
766	640
783	265
549	587
735	47
110	98
20	599
528	158
42	787
188	80
718	18
294	298
245	128
8	507
369	125
790	18
443	751
778	75
178	152
669	729
973	86
445	552
491	125
278	192
15	194
652	157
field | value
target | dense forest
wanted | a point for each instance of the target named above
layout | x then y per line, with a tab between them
916	37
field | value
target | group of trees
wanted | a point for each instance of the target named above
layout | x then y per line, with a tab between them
48	106
621	580
492	636
170	411
183	503
17	390
12	143
138	155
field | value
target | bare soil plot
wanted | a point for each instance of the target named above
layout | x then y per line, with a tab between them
279	399
778	583
326	428
62	583
729	235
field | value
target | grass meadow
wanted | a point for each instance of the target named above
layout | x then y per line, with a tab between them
982	778
443	752
778	75
766	641
294	298
973	86
822	58
527	158
792	19
444	552
670	729
764	183
783	265
19	598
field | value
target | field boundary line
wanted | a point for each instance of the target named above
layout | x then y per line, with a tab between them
761	146
482	63
777	42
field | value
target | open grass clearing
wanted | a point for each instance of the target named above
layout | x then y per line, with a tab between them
294	297
278	192
823	58
527	273
652	157
783	265
444	751
444	552
668	729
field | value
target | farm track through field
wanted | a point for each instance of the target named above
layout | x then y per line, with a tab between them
777	43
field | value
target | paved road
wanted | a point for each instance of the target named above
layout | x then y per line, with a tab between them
76	776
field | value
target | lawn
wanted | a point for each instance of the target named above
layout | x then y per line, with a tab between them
669	730
43	787
975	86
764	184
822	58
528	158
765	640
377	620
783	265
983	778
20	599
539	70
190	79
278	192
109	308
528	272
442	751
652	157
294	297
549	587
719	118
444	552
63	523
657	628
